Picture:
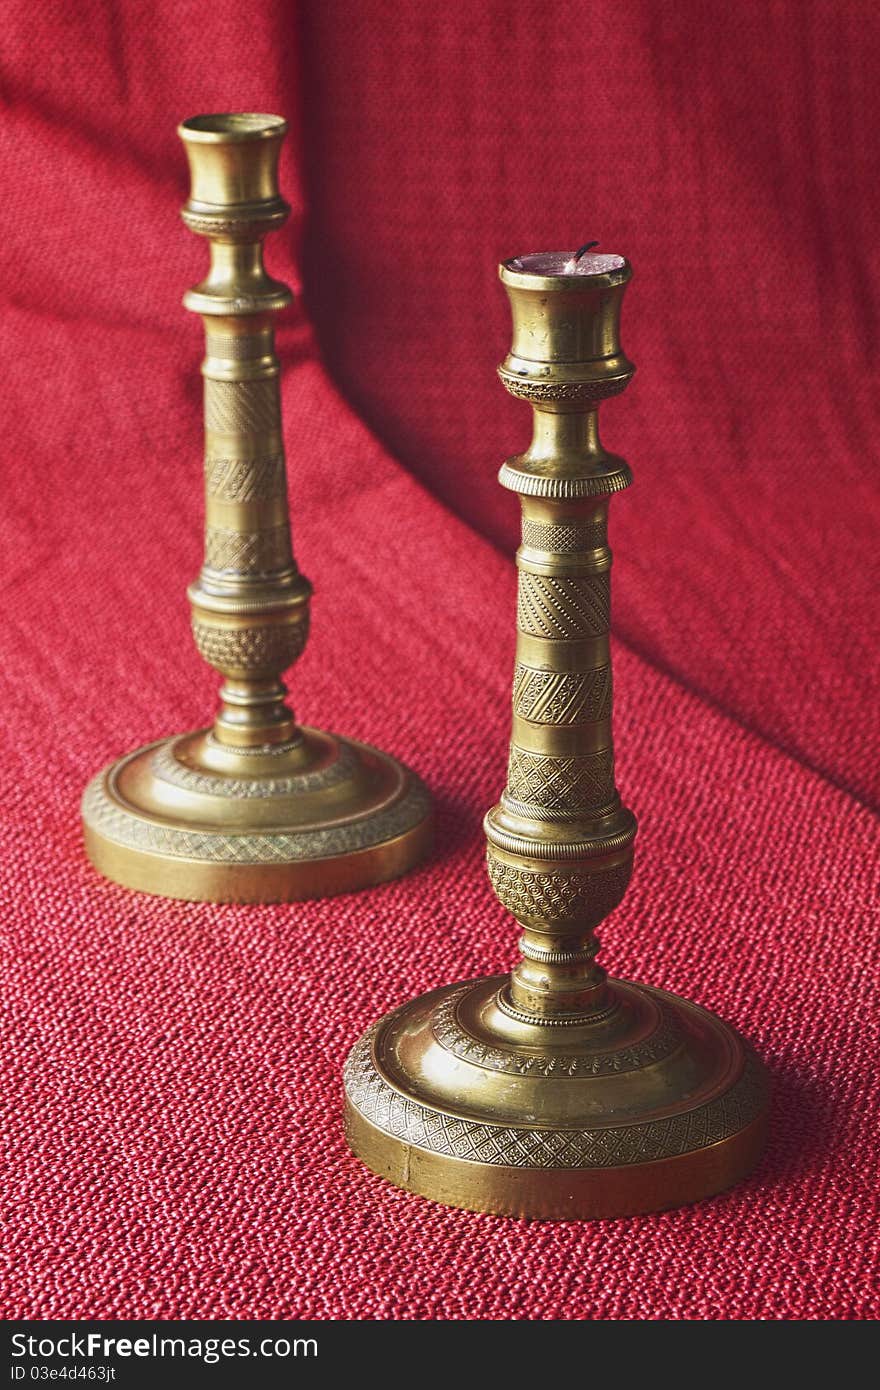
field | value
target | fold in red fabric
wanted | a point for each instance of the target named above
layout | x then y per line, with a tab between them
171	1086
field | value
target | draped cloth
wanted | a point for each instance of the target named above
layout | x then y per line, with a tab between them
172	1089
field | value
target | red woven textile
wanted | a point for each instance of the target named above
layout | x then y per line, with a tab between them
171	1087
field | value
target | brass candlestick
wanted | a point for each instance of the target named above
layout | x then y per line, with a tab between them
557	1092
256	809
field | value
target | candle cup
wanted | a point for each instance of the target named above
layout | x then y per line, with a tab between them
257	808
557	1092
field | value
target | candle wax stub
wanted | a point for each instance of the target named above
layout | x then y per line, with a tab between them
564	263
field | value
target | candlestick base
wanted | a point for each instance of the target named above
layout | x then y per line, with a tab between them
190	817
649	1103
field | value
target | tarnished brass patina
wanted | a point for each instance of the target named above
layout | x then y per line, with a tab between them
557	1092
257	808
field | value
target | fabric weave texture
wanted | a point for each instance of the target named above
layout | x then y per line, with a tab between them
171	1089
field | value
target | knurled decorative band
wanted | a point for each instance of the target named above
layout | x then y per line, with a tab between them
543	956
558	850
528	810
238	347
563	489
564	537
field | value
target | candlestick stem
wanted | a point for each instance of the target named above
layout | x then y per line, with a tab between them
250	604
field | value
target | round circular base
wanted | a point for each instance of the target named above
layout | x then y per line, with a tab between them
188	817
652	1104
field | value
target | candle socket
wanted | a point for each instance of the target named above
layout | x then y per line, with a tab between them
558	1092
257	808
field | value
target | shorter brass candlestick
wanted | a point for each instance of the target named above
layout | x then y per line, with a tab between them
256	809
557	1092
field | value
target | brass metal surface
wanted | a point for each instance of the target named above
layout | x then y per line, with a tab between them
557	1092
257	808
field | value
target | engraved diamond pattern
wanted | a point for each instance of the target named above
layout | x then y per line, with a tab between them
561	784
108	818
235	347
428	1129
563	538
248	552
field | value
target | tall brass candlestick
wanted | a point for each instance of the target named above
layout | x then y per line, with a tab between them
557	1092
256	809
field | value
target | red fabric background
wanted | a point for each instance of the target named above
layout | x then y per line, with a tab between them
172	1071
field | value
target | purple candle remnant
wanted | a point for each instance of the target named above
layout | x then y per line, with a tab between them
564	263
